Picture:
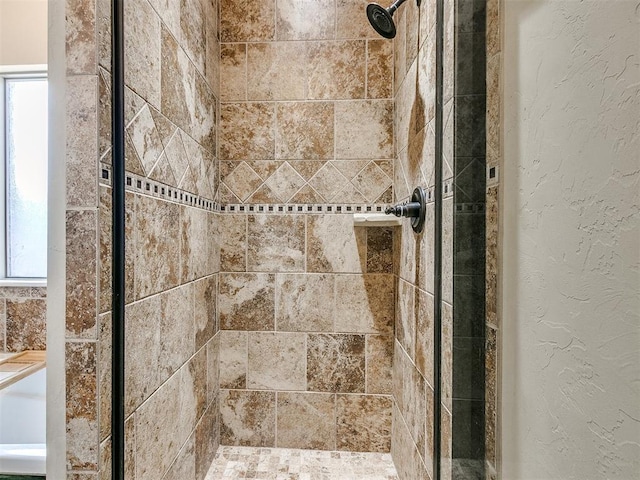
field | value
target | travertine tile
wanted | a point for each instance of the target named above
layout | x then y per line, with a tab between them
276	361
365	303
351	21
305	19
233	359
81	406
276	71
247	21
236	462
304	303
285	182
142	50
424	334
404	452
328	182
81	41
447	250
491	398
364	423
336	70
193	36
157	254
412	19
26	324
336	363
492	256
196	252
379	354
247	418
379	68
196	375
81	147
81	273
304	130
447	355
247	301
306	420
276	243
145	138
373	139
372	181
177	329
205	309
333	245
405	317
415	404
233	251
159	442
207	438
213	369
380	250
233	72
104	372
184	466
247	131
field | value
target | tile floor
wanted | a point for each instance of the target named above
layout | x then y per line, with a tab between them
291	464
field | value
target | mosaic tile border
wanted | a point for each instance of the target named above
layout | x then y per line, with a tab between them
143	185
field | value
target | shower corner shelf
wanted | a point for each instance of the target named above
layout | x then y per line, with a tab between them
375	220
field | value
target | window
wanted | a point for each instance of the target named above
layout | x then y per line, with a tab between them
24	175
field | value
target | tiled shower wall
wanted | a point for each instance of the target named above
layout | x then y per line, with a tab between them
23	318
307	104
306	301
306	306
172	261
413	369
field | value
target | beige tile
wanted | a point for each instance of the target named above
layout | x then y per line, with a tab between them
104	371
81	406
285	182
159	442
365	303
276	243
372	181
197	376
304	131
145	138
379	69
305	19
364	423
373	139
336	363
405	317
336	70
351	20
276	361
142	50
400	49
491	399
415	404
207	441
412	14
246	301
447	356
233	359
379	353
247	131
424	334
247	21
306	420
184	465
196	252
213	370
81	41
447	250
233	72
26	324
247	418
304	303
242	181
157	254
333	245
446	445
276	71
177	329
205	309
404	452
82	148
492	256
380	250
233	249
328	182
193	33
81	271
306	195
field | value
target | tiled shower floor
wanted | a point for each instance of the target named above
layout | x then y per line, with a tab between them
290	464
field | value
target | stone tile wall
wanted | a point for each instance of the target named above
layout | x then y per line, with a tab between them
307	104
172	261
23	318
413	381
306	309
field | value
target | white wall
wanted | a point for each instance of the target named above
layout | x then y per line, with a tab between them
23	32
571	213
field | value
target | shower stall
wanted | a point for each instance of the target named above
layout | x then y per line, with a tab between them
230	290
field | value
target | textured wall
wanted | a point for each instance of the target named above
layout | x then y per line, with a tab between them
23	318
306	305
307	112
571	364
412	437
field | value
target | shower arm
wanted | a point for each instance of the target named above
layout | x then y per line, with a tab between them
396	5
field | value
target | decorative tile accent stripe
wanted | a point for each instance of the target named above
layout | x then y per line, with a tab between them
140	184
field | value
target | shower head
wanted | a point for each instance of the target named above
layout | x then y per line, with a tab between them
381	19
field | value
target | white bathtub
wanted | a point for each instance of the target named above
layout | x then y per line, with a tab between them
23	426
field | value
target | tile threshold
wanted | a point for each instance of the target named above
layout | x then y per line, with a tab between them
260	463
